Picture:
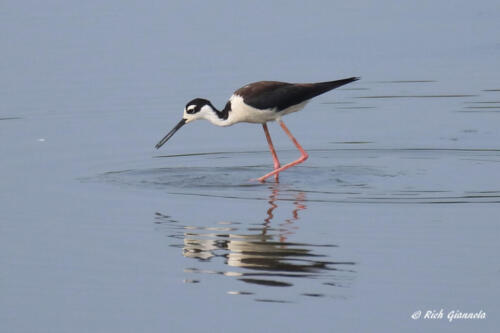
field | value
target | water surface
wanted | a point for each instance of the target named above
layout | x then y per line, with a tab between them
395	211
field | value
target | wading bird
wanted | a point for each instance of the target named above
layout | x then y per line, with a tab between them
259	103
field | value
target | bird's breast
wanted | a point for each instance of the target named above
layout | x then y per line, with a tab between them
242	112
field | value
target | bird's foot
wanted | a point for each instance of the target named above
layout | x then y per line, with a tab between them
263	178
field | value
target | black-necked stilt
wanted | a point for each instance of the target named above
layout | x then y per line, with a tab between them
259	102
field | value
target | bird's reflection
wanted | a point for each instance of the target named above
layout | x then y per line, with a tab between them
263	255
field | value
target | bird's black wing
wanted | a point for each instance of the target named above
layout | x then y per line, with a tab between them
281	95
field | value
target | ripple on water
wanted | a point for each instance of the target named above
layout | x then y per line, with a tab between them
331	175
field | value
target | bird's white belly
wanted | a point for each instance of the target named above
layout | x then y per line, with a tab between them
241	112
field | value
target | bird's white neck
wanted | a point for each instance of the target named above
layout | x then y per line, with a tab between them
214	116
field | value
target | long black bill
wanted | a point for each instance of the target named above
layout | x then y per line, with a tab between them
172	132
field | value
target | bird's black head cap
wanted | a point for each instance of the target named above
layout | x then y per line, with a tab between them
196	104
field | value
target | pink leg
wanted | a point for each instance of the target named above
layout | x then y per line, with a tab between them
302	158
273	152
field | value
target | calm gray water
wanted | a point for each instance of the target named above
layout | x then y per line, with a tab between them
396	211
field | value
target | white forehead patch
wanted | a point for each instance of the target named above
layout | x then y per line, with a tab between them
191	107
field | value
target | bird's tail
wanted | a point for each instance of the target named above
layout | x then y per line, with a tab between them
329	85
315	89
